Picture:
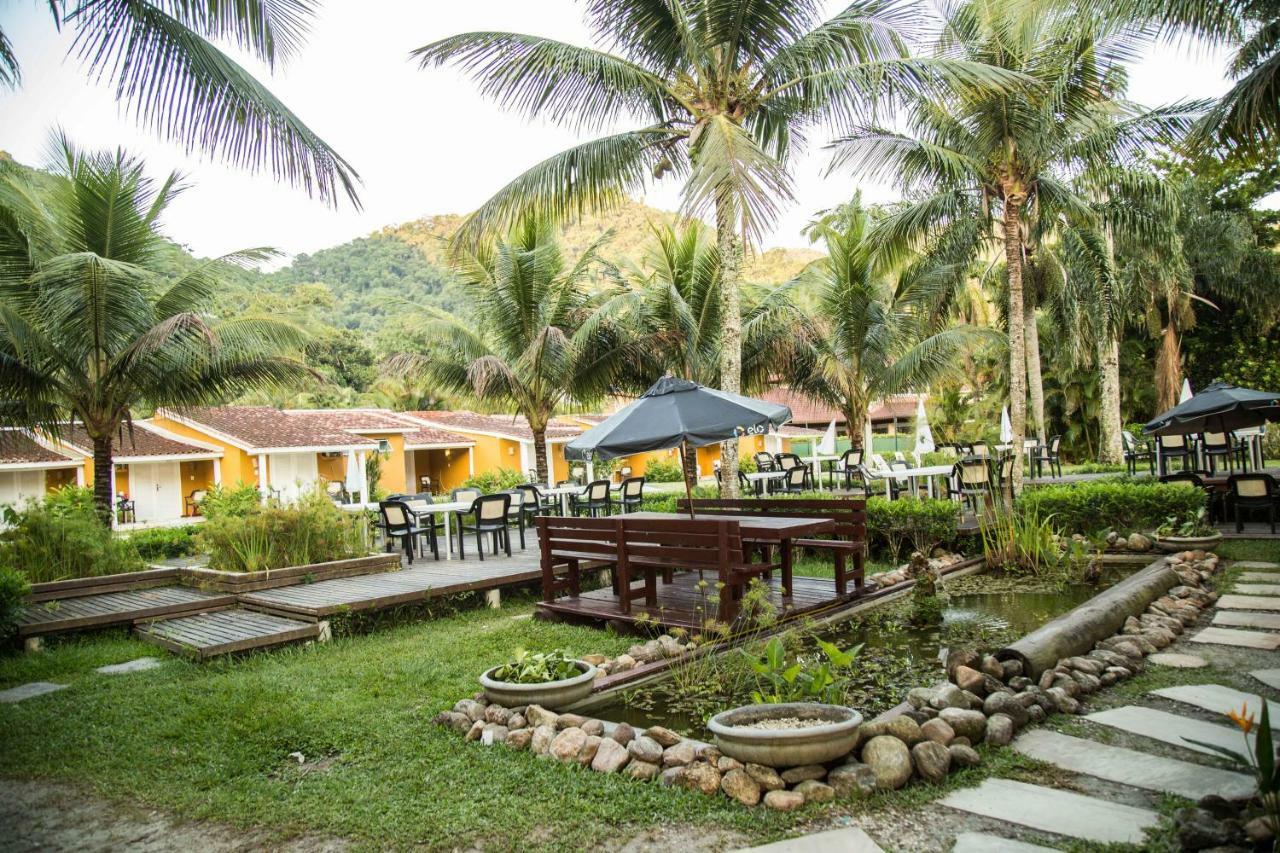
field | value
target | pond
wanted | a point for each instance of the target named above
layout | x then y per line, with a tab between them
895	655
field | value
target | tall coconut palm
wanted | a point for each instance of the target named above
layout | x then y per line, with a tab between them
883	326
540	338
1007	154
721	91
161	59
670	302
89	330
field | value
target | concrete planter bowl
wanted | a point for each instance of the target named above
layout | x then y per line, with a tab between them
835	737
1176	544
552	695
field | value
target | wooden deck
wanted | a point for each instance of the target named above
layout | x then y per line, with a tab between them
681	604
117	608
206	635
426	579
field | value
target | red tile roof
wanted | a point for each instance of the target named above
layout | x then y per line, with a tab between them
415	432
139	441
512	426
18	447
257	427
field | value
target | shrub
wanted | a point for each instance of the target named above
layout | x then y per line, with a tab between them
272	537
1020	542
13	588
495	481
162	543
61	538
236	501
1121	505
922	524
661	471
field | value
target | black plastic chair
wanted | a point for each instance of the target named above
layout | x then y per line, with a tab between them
540	504
516	515
1004	475
795	482
399	523
1252	492
125	511
1216	446
491	514
850	467
1048	453
979	449
1175	447
593	500
432	522
787	461
630	494
1215	502
970	482
895	486
1135	453
765	462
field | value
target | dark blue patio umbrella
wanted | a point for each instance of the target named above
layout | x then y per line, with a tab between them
1220	407
677	413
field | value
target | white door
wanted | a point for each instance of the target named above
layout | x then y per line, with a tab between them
17	486
156	490
291	474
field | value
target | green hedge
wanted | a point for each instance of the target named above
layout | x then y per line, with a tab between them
161	543
1112	504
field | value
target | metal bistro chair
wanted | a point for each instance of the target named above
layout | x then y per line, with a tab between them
1217	445
593	500
1135	453
399	523
491	513
126	511
970	482
1215	501
1250	492
850	467
630	494
1049	453
795	482
1175	447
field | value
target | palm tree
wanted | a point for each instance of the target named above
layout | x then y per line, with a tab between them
884	324
539	340
90	330
165	68
1005	156
671	305
721	91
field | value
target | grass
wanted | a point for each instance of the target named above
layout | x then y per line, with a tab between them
1267	550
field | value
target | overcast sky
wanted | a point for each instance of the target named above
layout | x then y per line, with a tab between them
423	141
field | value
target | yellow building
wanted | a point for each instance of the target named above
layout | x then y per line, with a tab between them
505	441
30	467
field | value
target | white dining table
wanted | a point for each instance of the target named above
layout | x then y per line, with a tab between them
563	493
908	474
421	507
815	462
757	478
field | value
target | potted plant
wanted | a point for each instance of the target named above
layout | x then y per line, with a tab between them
1194	534
795	720
551	679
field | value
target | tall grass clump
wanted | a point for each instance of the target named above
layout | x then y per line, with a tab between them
61	537
275	536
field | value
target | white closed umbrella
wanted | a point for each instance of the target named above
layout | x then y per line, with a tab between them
1186	391
924	435
353	480
827	444
1006	426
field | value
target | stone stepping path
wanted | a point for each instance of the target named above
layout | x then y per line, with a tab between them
1179	661
982	842
1214	697
29	690
1247	619
137	665
851	839
1257	565
1171	728
1235	637
1257	588
1131	767
1263	577
1269	677
1054	810
1231	601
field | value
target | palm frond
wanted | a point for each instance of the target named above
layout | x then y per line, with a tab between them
726	163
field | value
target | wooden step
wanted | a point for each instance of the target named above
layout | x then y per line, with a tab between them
116	608
207	635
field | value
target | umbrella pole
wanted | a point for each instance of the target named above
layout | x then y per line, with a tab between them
684	475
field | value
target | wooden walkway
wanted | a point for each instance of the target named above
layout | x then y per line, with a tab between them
682	604
221	632
424	580
117	608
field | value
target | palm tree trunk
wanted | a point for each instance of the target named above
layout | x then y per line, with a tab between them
540	452
103	499
1017	337
689	460
1168	369
1111	448
730	246
1035	379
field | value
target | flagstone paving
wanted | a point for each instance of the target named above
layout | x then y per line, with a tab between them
137	665
29	690
1235	637
1257	588
1214	698
1247	619
982	842
1131	767
1269	677
1232	601
847	840
1256	565
1179	661
1054	810
1172	729
1264	577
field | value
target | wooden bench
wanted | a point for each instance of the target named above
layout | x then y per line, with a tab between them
633	547
850	515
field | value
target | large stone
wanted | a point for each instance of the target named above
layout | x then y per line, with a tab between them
968	678
497	714
970	724
493	733
1197	829
999	729
854	779
948	696
623	733
784	801
594	727
889	759
962	657
815	791
804	773
904	729
519	738
541	740
570	721
645	771
682	753
766	777
590	747
568	744
920	697
701	777
540	716
932	760
1174	729
517	721
473	709
645	749
1062	702
1055	810
475	731
991	666
1138	542
455	720
664	736
671	776
724	764
739	785
938	731
963	755
1007	704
